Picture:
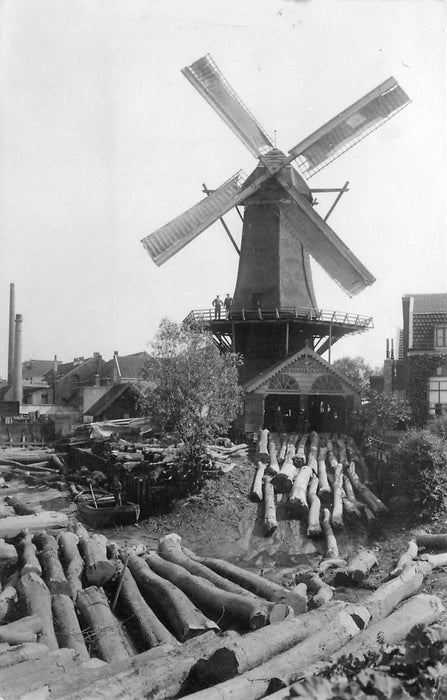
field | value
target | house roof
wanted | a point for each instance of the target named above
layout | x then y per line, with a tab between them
129	366
429	303
282	365
66	368
38	367
110	397
425	312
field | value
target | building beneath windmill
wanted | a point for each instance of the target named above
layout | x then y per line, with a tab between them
275	322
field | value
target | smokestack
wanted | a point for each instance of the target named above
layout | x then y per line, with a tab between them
17	369
55	366
12	313
392	348
387	349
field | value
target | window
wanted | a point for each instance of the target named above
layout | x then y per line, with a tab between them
327	383
284	382
441	336
437	392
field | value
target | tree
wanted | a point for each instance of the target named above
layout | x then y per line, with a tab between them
196	392
380	412
356	369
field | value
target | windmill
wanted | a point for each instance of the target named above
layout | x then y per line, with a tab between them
280	226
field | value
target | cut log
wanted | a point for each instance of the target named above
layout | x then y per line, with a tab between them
282	448
59	464
286	667
322	592
262	451
406	558
256	490
72	561
273	466
53	573
66	625
104	629
337	508
21	506
21	631
331	542
297	599
98	569
283	480
255	648
28	555
270	523
357	569
253	582
169	602
385	599
8	559
312	458
8	599
432	541
36	600
158	673
364	493
169	548
20	653
29	679
324	490
298	495
300	457
314	530
244	609
437	561
151	631
350	511
47	519
347	486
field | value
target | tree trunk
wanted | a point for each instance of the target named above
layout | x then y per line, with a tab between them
256	489
322	592
245	609
28	556
385	599
168	601
54	575
66	625
351	512
285	668
435	560
104	628
20	653
300	457
283	480
98	569
324	491
253	582
8	559
270	523
432	541
406	558
297	599
298	495
262	451
158	673
283	448
151	632
314	530
312	459
72	560
30	676
350	493
337	509
331	542
21	631
36	599
255	648
21	506
8	599
273	453
357	569
365	495
12	526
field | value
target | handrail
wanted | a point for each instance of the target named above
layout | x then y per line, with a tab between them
284	314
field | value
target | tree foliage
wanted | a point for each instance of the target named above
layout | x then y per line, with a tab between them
356	369
196	392
418	469
382	411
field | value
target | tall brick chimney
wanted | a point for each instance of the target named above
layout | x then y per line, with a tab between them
17	370
12	313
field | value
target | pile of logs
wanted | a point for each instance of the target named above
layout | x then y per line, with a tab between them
33	466
127	622
317	477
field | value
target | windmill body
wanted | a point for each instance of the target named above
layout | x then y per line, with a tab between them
275	319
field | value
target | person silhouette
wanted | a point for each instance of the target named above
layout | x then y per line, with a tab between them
217	303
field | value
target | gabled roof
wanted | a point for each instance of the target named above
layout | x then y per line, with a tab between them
110	397
64	369
37	367
425	311
283	365
128	366
429	303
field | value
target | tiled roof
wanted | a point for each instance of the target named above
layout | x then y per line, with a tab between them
130	366
424	329
109	398
37	367
429	303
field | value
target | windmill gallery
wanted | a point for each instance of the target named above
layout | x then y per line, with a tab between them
275	322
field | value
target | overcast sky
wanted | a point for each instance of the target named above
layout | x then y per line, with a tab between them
102	140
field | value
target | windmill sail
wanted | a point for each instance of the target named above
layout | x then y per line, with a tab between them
212	85
169	239
349	127
323	243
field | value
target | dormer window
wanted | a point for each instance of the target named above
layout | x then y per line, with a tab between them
441	337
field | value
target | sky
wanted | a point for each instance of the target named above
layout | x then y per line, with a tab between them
102	140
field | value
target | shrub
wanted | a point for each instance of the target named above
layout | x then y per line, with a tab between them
418	469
